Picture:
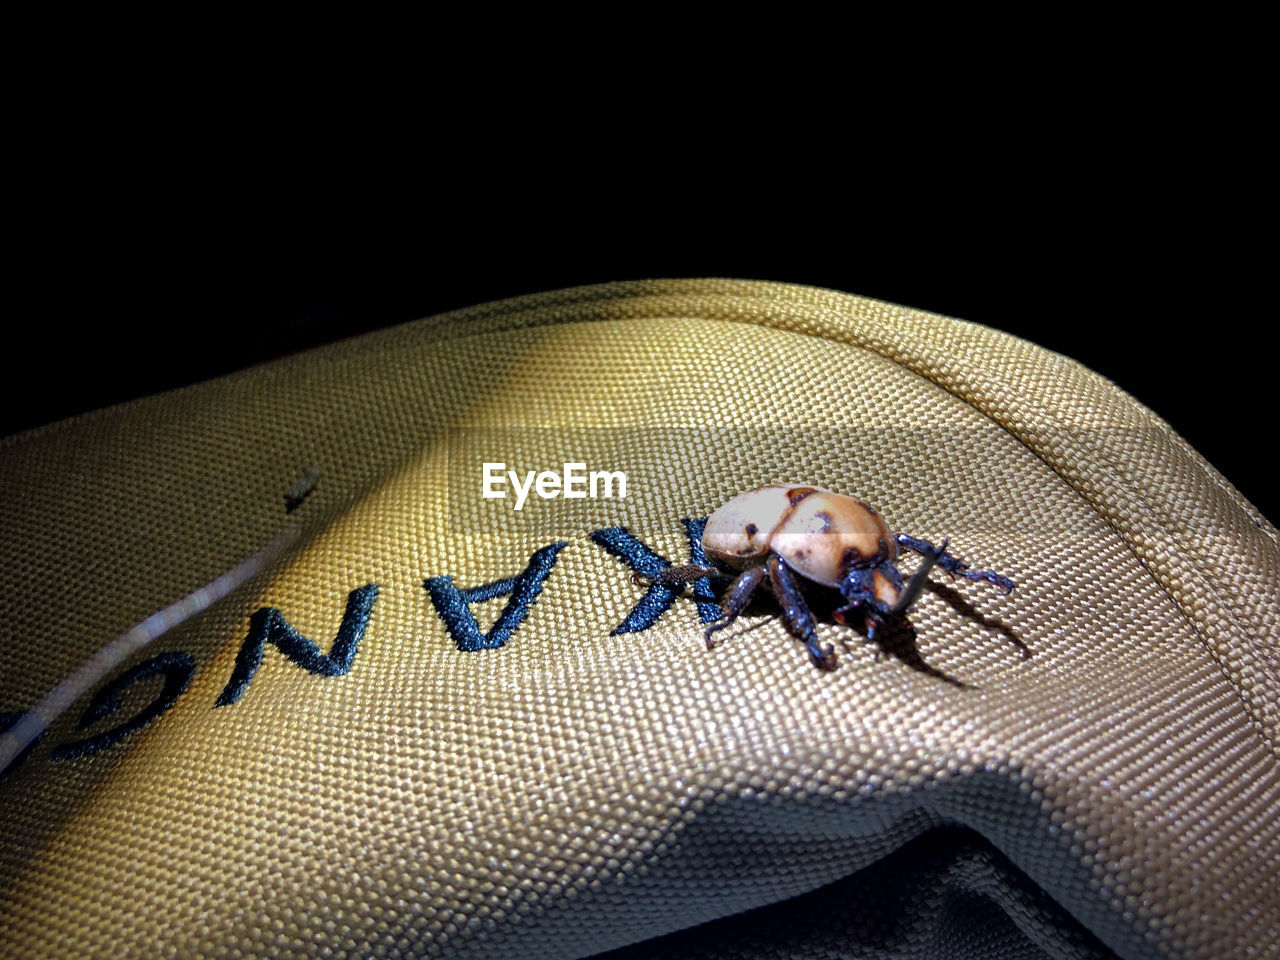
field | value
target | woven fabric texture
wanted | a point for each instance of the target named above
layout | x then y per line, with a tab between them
1085	767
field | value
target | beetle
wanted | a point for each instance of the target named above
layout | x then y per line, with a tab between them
787	533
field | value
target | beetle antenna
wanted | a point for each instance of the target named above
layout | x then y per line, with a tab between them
917	581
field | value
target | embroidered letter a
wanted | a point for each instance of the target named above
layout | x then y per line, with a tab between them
454	605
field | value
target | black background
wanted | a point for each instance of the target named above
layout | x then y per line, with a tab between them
221	193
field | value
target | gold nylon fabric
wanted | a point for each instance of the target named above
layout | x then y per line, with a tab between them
1084	767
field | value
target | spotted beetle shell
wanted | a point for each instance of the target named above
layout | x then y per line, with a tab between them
822	535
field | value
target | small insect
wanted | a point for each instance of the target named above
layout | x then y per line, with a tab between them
786	533
300	489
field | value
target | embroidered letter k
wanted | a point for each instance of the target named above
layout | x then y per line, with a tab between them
659	597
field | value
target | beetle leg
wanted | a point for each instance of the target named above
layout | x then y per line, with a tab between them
799	619
736	601
953	565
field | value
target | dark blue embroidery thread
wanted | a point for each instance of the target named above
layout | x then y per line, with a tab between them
268	625
454	605
177	669
658	599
